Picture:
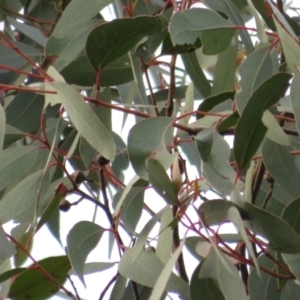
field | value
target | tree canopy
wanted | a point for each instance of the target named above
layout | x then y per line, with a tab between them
188	75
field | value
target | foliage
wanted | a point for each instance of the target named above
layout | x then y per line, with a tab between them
185	75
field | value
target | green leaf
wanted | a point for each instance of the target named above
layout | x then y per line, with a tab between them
265	286
281	166
143	236
81	240
7	248
291	215
197	75
293	260
11	273
209	103
69	42
161	182
290	291
77	12
237	18
147	268
33	284
281	236
19	203
132	206
229	282
215	32
224	74
51	207
275	132
165	274
94	267
114	39
295	90
255	69
204	289
148	139
250	130
119	288
289	45
85	120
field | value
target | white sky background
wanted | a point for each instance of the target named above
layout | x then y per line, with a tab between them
45	245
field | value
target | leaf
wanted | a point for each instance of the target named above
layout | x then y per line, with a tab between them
2	130
237	18
19	203
132	206
51	207
81	240
165	274
290	291
11	273
148	138
165	239
275	132
215	32
234	216
295	90
281	236
224	74
85	120
255	69
214	212
188	105
250	130
264	287
69	42
94	267
281	166
204	289
142	238
118	289
289	44
78	12
7	248
196	73
229	283
114	39
33	284
291	215
161	182
32	32
209	103
147	268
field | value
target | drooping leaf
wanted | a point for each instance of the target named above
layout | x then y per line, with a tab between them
205	289
264	286
281	166
94	267
19	203
142	238
85	120
229	282
161	182
34	284
250	130
146	269
291	214
7	248
197	75
165	274
148	139
81	240
114	39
